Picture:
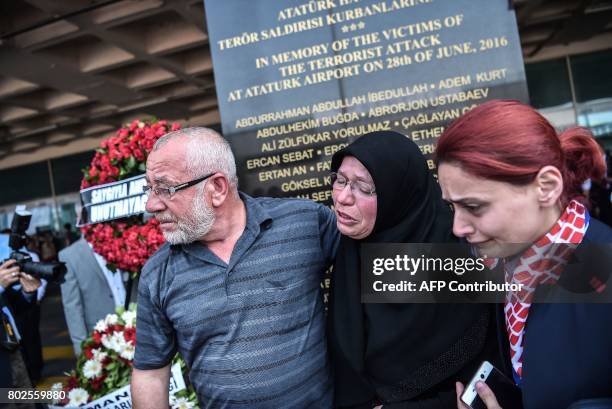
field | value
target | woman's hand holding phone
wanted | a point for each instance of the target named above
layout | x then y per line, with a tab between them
485	393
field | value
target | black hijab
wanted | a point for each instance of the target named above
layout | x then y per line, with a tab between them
389	352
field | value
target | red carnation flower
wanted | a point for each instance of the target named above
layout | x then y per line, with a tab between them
97	337
129	335
72	382
87	352
96	383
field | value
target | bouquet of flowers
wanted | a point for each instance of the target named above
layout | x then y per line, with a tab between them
105	363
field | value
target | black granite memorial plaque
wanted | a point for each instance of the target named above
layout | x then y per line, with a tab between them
298	80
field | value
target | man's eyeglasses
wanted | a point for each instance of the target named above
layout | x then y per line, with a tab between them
359	187
168	192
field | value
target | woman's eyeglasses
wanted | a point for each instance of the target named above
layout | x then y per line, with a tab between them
359	187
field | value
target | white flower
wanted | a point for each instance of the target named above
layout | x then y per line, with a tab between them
127	351
56	387
129	317
114	342
77	397
106	341
92	369
180	403
99	355
119	340
111	319
101	326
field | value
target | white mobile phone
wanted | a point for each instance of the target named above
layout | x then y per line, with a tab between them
503	388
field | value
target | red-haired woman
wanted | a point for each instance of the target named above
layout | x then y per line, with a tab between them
514	185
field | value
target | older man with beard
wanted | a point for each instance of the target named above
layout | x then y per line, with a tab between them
236	288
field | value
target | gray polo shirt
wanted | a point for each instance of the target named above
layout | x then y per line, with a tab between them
253	331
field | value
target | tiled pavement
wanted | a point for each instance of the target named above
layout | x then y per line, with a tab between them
58	354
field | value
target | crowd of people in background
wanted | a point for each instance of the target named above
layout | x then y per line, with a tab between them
599	194
46	243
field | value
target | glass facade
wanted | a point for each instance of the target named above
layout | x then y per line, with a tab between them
550	91
575	90
593	84
31	185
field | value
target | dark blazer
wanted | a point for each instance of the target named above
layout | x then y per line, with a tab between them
567	352
5	363
15	302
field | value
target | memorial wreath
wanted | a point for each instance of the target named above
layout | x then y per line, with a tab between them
128	243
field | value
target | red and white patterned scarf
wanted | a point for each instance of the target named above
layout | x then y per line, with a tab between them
542	263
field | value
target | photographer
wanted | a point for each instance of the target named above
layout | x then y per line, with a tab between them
10	275
17	292
20	281
27	319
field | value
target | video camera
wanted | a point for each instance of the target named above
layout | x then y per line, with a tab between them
52	272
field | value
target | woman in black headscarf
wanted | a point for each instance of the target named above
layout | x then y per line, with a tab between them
395	355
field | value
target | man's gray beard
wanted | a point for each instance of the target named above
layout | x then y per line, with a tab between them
195	225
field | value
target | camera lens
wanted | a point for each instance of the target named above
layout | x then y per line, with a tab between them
481	376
